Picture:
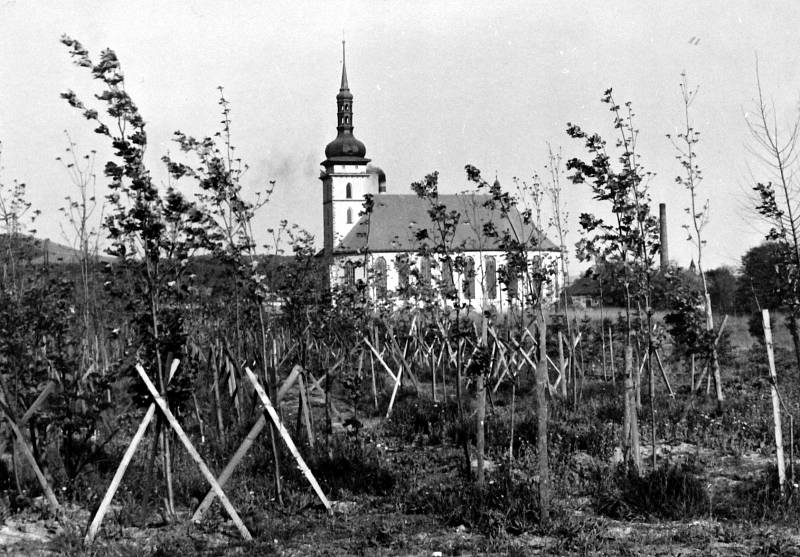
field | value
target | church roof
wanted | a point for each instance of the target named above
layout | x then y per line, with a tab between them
396	220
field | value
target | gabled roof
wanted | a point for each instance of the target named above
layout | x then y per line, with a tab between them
396	220
584	286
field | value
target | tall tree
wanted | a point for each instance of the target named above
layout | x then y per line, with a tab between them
517	238
685	143
777	198
153	234
722	284
629	238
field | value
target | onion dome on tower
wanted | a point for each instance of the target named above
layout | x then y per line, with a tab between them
345	148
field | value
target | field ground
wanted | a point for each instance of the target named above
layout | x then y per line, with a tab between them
399	485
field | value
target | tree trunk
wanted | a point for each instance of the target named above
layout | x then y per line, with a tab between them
631	412
541	420
480	434
791	324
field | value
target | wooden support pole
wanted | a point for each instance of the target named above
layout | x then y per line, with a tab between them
611	357
664	374
194	454
223	478
40	400
287	438
776	403
214	363
306	407
394	392
94	526
562	365
374	385
252	435
380	359
28	454
289	382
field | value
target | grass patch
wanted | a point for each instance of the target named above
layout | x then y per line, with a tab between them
670	492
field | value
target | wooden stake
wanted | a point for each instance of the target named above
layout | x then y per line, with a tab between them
214	362
287	438
40	400
223	478
173	422
28	454
776	403
394	392
118	475
611	357
664	373
251	437
306	407
562	365
383	363
374	385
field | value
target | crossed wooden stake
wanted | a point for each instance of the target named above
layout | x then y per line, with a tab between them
16	427
216	484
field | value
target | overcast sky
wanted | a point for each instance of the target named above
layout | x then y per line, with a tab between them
437	85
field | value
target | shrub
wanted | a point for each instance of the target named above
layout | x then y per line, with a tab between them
672	491
349	465
761	499
501	506
416	419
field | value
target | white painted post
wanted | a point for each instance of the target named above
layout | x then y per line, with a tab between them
776	402
118	475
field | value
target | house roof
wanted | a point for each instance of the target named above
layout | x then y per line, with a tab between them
396	219
584	286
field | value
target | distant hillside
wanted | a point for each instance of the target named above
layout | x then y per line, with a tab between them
39	251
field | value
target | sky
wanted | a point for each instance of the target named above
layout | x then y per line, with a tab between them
437	85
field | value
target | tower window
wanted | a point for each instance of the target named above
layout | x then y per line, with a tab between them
348	191
349	215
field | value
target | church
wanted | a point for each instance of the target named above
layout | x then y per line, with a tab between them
381	246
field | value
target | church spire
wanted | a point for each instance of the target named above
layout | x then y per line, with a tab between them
344	100
345	146
345	87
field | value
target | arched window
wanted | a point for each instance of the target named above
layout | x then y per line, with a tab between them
349	273
348	191
425	271
402	266
447	277
349	215
490	277
380	277
512	284
469	279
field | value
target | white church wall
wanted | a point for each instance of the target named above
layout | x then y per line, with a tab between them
481	298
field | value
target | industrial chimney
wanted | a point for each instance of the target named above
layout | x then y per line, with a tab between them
662	217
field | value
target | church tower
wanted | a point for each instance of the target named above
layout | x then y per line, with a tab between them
345	175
